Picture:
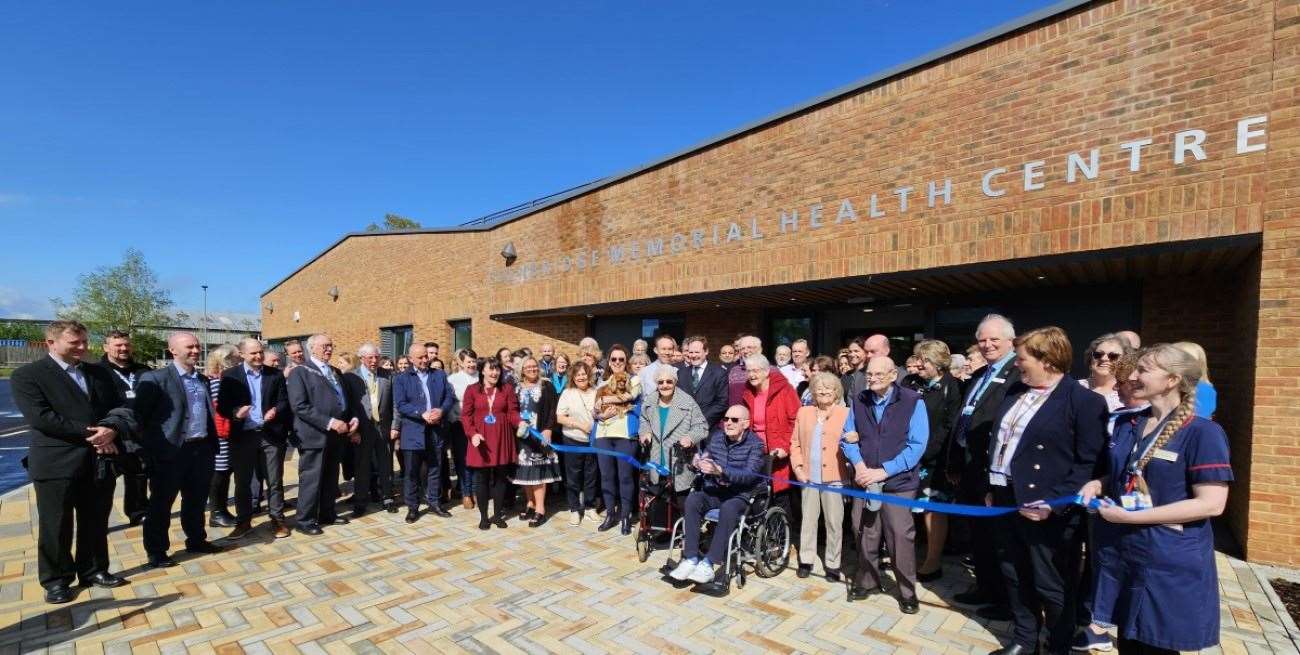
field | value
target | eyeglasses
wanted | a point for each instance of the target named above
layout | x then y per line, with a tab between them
617	359
877	376
667	382
1099	355
732	419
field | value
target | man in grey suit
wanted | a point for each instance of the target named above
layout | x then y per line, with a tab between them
174	406
322	419
371	392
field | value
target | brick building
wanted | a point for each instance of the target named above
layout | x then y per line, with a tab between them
1096	165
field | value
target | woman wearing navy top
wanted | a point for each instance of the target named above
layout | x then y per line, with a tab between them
1167	471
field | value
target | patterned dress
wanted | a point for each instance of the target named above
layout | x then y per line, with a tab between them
538	463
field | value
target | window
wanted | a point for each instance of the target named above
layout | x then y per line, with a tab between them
462	335
395	341
786	331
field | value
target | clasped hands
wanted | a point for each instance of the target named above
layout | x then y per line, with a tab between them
865	477
101	439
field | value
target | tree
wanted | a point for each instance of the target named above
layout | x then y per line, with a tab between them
394	222
22	330
123	297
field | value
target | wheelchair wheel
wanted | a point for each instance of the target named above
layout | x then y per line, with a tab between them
643	546
773	544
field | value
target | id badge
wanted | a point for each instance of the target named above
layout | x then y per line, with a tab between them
130	394
1135	500
997	479
490	419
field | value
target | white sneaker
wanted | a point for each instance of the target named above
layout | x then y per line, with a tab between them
575	518
683	570
703	573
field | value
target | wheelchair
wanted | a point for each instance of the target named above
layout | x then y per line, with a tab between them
761	541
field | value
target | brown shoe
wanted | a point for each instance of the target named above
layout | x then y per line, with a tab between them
281	530
241	530
467	502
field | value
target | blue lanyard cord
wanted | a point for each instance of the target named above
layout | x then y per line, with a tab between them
592	450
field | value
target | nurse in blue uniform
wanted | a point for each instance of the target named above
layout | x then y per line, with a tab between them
1166	476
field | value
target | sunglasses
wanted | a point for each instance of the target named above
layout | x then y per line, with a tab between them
732	419
1098	355
617	359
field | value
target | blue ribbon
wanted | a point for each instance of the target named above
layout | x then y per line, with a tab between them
946	508
592	450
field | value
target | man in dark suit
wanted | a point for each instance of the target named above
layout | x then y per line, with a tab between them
74	411
705	382
322	420
968	453
422	397
255	400
125	373
371	392
174	404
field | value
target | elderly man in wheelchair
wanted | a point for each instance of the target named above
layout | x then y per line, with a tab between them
732	492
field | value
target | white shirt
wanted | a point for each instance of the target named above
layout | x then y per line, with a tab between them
74	372
793	374
460	381
1011	429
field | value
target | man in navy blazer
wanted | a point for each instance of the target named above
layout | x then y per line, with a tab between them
174	406
422	397
322	419
255	400
705	382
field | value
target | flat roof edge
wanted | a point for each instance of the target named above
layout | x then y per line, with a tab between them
1013	25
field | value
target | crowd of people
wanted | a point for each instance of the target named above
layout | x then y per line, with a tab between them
1002	424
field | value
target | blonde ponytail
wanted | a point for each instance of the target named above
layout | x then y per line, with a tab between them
1183	365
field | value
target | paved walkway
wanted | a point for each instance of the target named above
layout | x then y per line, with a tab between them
443	586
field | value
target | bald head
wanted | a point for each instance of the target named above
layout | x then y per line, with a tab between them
185	349
876	345
1131	337
749	345
736	421
881	373
419	356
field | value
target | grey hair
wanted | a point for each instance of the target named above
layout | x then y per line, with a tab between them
666	372
246	341
313	339
1008	330
367	348
757	362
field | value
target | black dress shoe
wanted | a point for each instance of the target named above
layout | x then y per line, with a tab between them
485	524
537	521
204	548
832	575
358	511
310	529
718	587
438	511
909	606
137	518
160	562
59	595
609	522
994	613
390	507
862	593
528	514
931	576
221	520
412	516
1014	649
500	522
626	527
338	520
103	580
803	571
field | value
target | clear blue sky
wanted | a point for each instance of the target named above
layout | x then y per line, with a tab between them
233	141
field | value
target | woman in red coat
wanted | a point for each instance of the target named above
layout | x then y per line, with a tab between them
773	405
489	413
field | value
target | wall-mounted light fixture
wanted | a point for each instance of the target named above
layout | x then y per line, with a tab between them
334	294
296	316
509	253
270	308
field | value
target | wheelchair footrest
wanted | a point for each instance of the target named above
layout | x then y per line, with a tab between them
712	515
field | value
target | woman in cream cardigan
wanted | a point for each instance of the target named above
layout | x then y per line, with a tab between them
815	457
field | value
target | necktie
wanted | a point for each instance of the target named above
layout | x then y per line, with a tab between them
75	372
338	390
695	377
372	384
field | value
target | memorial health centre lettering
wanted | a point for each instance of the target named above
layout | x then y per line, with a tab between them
1186	146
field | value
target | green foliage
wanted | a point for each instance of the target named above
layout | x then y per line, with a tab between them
21	330
123	297
393	222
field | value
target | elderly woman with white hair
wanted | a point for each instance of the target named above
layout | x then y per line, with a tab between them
671	418
815	457
772	405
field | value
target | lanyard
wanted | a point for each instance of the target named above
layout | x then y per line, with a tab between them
1142	445
1005	434
492	399
130	381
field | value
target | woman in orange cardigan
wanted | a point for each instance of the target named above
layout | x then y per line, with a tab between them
815	457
